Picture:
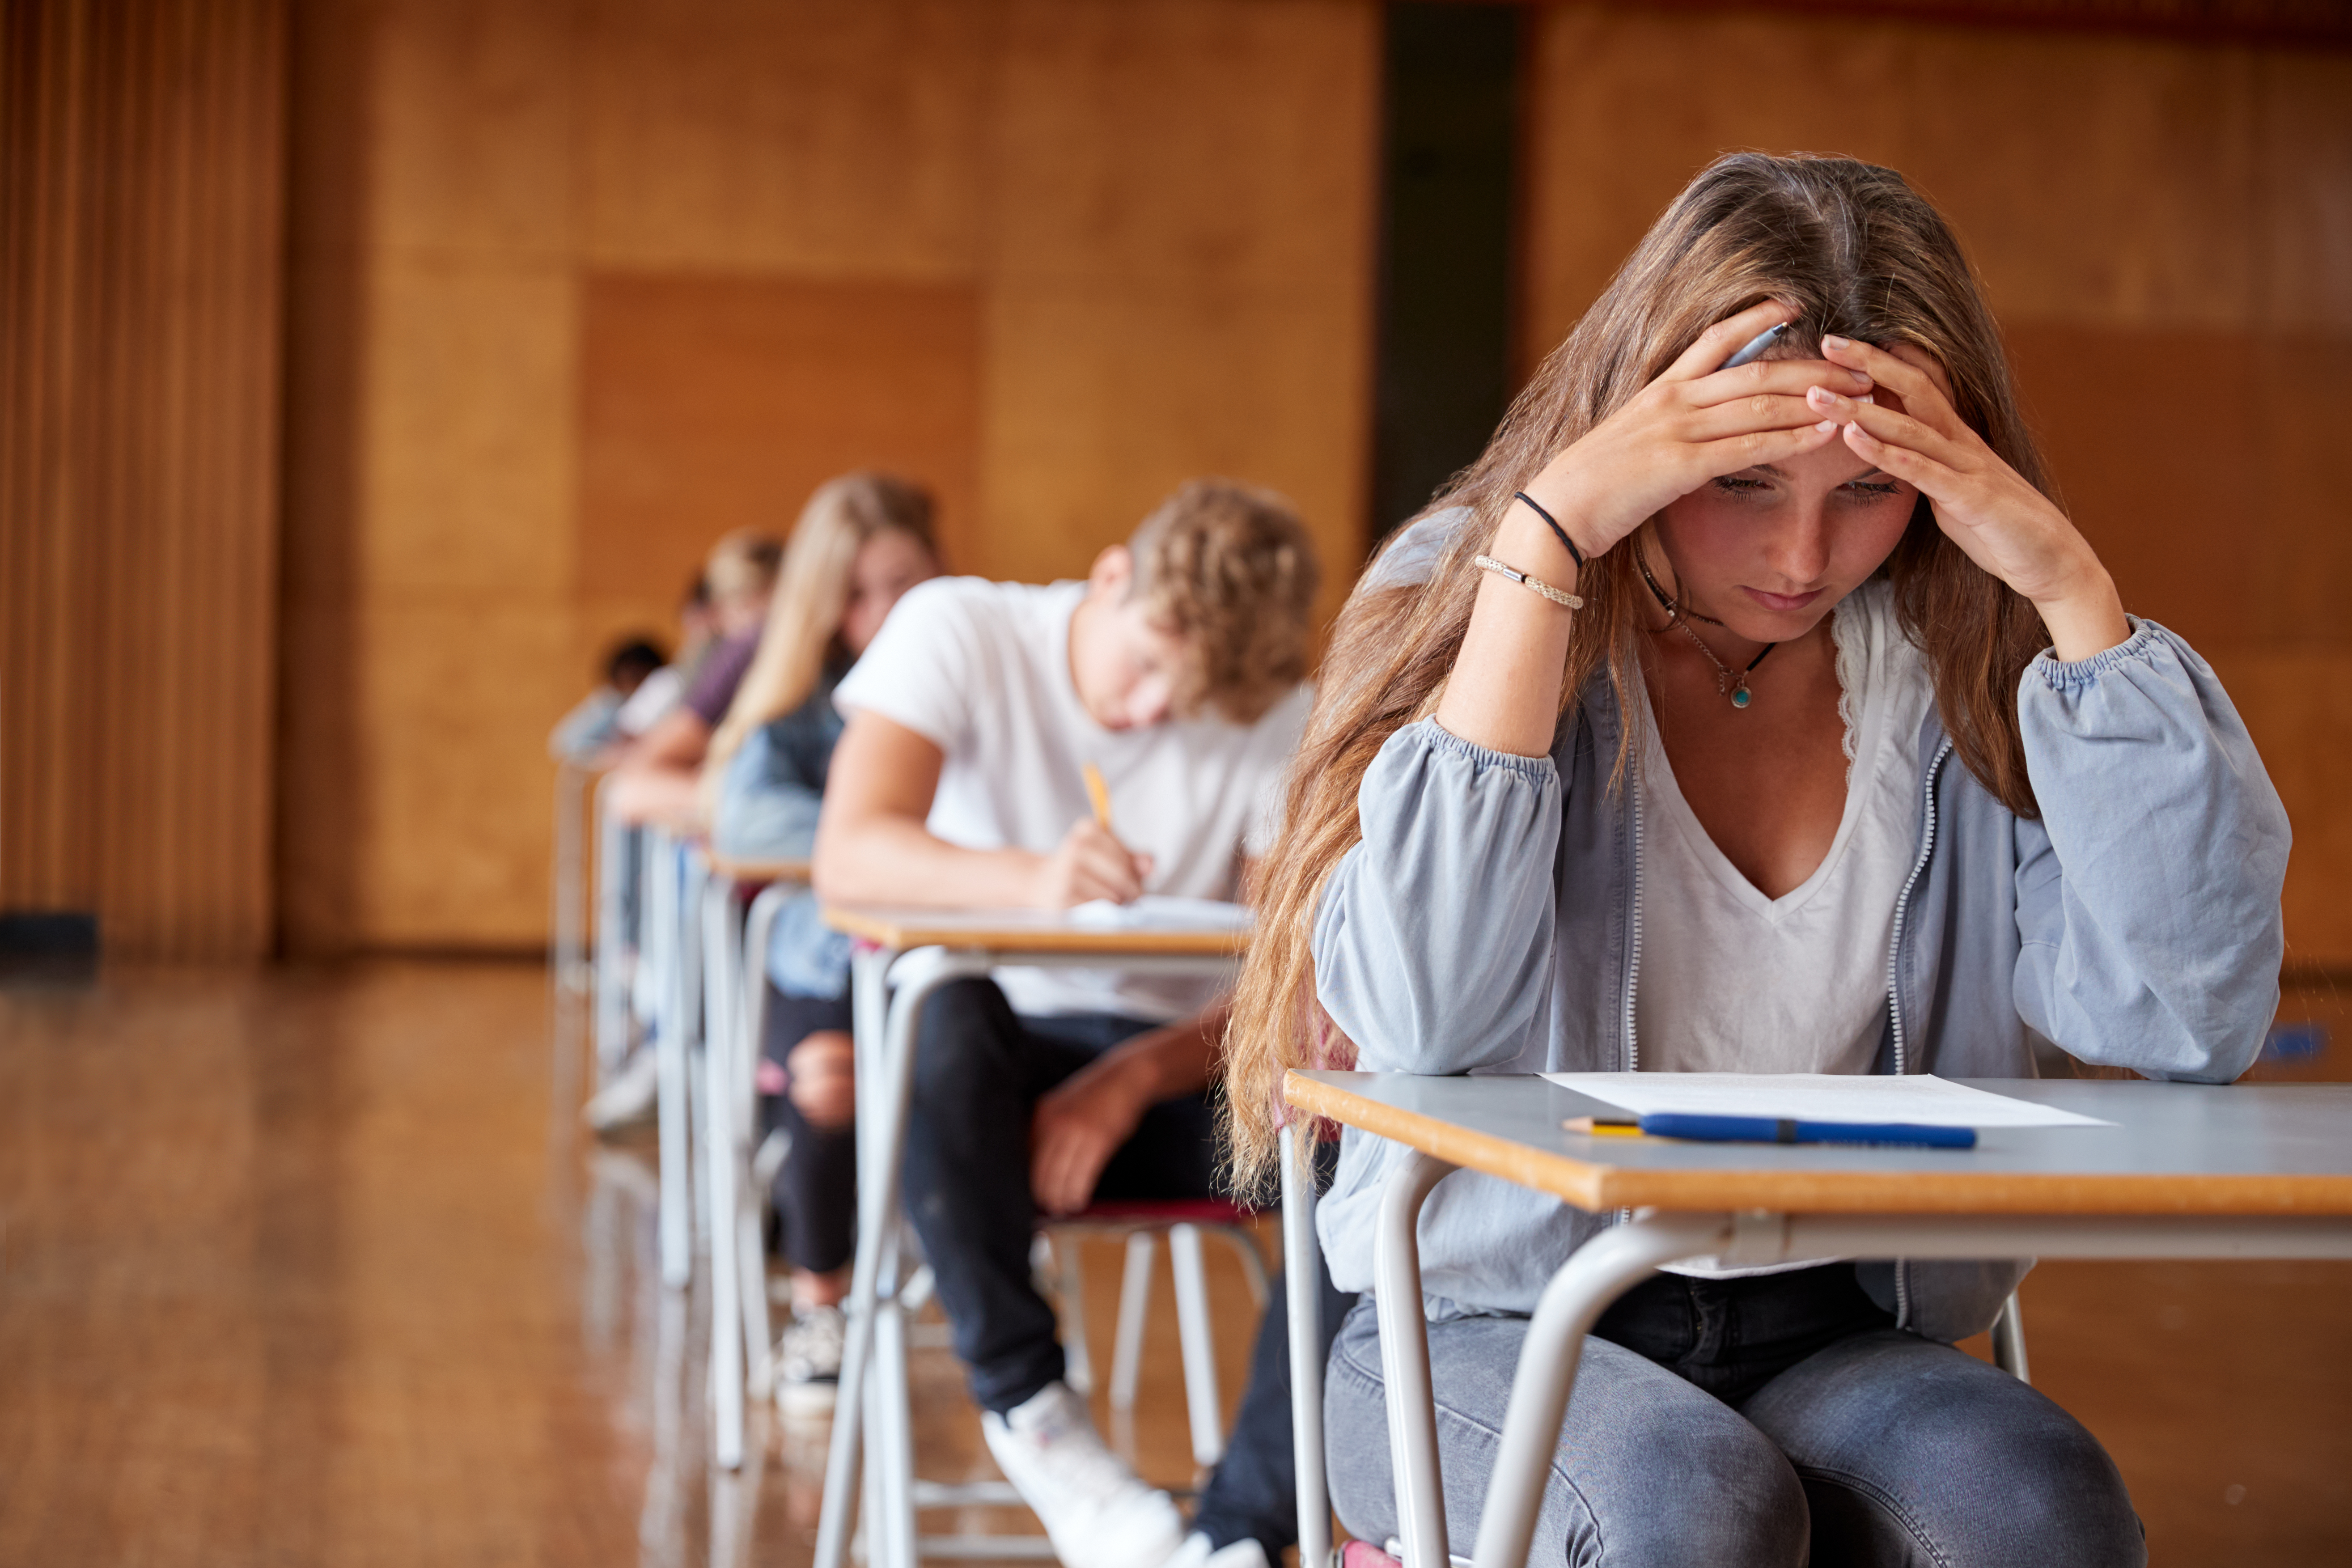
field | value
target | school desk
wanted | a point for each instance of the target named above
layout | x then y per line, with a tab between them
2187	1170
903	957
669	996
735	991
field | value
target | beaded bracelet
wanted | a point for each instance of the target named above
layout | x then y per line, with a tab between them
1565	601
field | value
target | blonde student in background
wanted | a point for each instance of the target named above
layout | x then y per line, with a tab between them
863	541
1762	715
1175	668
655	777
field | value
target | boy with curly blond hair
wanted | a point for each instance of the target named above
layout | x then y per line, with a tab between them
1176	668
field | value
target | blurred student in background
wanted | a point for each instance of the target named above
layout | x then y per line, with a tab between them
587	735
862	541
652	702
657	775
1176	667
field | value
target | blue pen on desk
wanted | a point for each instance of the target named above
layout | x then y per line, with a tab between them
1785	1129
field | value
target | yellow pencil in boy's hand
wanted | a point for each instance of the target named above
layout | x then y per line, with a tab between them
1100	793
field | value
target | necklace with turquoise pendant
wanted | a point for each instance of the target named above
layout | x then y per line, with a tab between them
1732	686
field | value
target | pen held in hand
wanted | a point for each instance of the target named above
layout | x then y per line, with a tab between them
1099	792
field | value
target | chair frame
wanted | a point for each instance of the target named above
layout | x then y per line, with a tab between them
1195	1334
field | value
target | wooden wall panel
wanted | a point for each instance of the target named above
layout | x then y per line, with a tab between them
141	198
1181	271
2165	228
431	470
2119	180
1156	216
711	404
823	137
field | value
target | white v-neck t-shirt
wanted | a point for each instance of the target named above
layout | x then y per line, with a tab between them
1734	982
982	670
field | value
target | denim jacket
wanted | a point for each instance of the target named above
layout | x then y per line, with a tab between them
768	804
1490	923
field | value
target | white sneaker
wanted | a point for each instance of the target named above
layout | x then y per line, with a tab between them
629	1099
1095	1511
1195	1553
808	1362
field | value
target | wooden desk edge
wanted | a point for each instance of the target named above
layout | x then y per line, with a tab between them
743	870
902	929
1594	1186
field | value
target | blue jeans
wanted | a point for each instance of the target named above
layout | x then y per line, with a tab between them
1780	1419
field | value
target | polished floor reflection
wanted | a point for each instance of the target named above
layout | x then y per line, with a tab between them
308	1266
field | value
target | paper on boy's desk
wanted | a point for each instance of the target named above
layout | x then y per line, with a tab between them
1917	1098
1161	911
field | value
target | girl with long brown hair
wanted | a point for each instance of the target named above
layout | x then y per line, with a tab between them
1769	718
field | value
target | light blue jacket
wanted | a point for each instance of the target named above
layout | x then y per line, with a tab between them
1490	923
768	799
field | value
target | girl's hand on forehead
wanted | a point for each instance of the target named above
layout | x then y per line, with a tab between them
2004	524
1696	422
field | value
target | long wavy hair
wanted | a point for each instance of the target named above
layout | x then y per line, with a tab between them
812	591
1857	252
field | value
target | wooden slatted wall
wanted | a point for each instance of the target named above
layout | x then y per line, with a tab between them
142	183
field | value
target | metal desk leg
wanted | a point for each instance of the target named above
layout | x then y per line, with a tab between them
720	1045
666	872
886	1042
2009	1341
1595	1275
570	957
869	1003
1404	1359
751	1013
1299	1251
694	875
611	938
890	1440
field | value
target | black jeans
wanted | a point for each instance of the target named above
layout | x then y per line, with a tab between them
815	1193
978	1069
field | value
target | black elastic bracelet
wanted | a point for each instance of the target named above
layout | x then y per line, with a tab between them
1553	524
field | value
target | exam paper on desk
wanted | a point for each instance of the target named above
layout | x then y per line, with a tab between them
1161	911
1920	1098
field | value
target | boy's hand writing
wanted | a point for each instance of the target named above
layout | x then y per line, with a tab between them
1088	864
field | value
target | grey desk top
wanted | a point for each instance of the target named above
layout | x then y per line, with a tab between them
2186	1149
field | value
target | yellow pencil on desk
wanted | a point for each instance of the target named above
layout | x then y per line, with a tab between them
1100	793
1596	1128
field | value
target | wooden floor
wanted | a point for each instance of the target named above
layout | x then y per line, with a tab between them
307	1266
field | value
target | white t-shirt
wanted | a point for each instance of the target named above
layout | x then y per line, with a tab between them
982	670
1734	982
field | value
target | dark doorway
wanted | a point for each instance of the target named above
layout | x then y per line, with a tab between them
1448	185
